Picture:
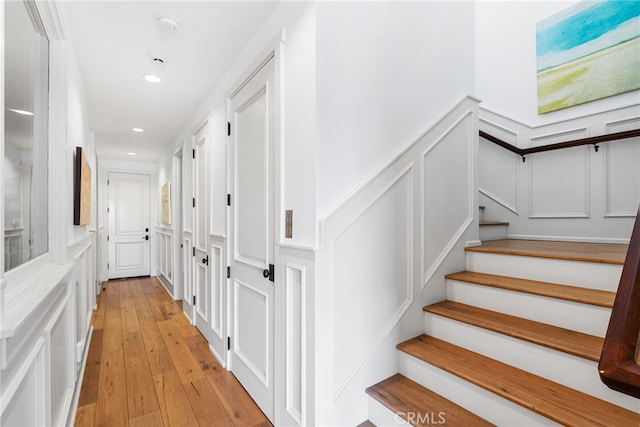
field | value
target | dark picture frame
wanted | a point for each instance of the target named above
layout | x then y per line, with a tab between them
81	189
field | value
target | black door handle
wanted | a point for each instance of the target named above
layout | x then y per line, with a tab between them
269	273
205	260
145	237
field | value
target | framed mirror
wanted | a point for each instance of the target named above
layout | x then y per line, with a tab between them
26	103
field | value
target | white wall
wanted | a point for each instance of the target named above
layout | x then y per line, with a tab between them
78	135
387	71
506	62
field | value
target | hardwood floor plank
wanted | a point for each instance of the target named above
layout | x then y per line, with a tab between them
157	353
128	310
141	395
174	404
97	317
140	300
205	404
239	406
174	311
89	389
111	404
112	338
152	419
186	366
86	416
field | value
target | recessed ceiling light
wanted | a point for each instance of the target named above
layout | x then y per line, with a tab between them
23	112
152	78
167	24
131	154
139	130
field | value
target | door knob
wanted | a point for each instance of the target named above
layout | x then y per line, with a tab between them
145	237
266	273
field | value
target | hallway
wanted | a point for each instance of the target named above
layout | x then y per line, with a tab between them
147	366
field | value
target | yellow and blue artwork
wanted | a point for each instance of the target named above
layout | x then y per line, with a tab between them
587	52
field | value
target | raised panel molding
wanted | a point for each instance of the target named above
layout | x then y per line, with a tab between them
260	372
549	184
459	132
296	343
554	137
622	183
383	202
218	278
499	131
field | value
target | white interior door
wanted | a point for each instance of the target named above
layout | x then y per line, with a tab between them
252	237
201	291
129	223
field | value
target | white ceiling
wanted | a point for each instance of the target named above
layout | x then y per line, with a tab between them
115	42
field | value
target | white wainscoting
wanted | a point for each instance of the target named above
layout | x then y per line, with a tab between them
381	249
294	357
574	194
44	335
164	251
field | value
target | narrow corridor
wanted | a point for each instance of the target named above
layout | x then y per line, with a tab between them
148	366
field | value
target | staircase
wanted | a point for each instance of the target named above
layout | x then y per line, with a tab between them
516	343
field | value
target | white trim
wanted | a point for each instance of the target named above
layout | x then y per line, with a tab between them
571	119
299	416
73	408
10	387
500	201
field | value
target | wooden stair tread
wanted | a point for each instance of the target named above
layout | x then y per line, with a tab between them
487	223
404	396
366	423
553	290
557	402
608	253
565	340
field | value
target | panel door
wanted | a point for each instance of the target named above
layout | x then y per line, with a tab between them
252	236
129	222
201	289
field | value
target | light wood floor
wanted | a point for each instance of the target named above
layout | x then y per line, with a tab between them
147	366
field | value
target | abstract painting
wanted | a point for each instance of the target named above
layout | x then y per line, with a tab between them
587	52
165	204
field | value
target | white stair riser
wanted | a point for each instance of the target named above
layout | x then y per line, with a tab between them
493	232
571	371
483	403
577	273
382	416
585	318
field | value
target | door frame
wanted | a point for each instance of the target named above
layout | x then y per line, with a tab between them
154	200
274	52
177	212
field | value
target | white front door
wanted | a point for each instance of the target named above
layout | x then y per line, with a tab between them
252	236
129	224
201	292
